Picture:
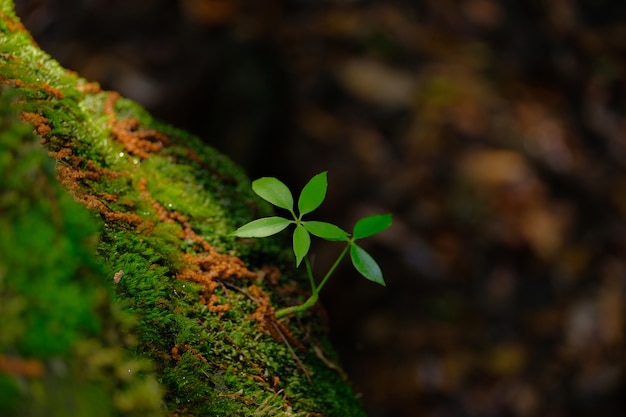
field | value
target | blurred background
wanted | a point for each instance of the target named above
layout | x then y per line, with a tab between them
494	131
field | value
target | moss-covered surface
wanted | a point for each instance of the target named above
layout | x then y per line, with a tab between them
64	347
165	203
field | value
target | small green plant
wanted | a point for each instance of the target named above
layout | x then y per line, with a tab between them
311	197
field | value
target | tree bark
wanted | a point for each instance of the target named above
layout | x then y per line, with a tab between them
141	304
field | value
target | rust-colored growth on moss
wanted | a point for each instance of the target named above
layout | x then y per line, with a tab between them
71	176
15	25
119	217
61	153
178	350
206	268
161	211
51	91
199	277
40	122
109	197
19	367
266	317
220	266
136	142
214	305
128	132
109	104
89	87
45	87
13	82
85	87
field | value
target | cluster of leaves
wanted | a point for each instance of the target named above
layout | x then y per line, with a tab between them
311	197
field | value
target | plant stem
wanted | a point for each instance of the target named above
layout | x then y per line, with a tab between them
332	268
287	311
309	272
310	302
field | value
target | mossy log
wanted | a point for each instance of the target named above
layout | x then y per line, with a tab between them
121	291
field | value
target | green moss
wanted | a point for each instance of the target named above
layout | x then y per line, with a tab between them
45	232
60	337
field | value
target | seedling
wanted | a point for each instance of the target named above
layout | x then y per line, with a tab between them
311	197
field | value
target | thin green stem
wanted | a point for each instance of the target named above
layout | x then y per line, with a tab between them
332	268
309	272
310	302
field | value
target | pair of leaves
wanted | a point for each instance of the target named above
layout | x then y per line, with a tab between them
361	260
277	193
311	197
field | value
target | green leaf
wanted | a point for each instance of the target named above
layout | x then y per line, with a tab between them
301	243
371	225
325	230
266	226
274	191
366	265
312	194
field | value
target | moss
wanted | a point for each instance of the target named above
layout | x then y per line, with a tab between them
62	342
164	204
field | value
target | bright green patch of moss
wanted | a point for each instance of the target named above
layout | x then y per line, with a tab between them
63	349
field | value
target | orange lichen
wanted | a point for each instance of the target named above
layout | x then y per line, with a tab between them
214	305
205	269
136	142
21	367
73	169
178	350
199	277
61	153
118	217
15	25
109	104
89	88
161	211
51	91
40	122
13	82
130	134
266	317
44	87
109	197
83	86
